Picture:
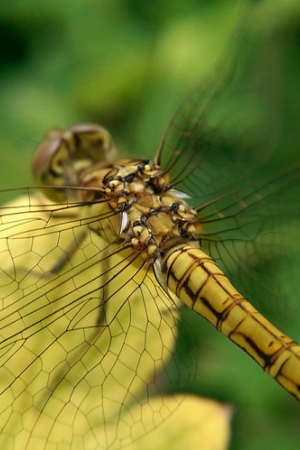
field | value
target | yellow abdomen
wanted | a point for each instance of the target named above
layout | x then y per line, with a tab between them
197	281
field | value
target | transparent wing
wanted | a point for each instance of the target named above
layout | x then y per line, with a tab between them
86	331
232	146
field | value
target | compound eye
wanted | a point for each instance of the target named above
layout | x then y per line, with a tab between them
92	141
42	162
64	155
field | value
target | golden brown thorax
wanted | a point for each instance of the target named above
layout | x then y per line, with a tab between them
133	199
149	213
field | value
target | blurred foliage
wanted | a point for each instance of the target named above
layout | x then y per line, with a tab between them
126	64
114	63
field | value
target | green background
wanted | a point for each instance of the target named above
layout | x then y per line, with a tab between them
126	64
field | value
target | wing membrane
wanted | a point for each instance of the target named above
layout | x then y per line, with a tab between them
82	341
231	147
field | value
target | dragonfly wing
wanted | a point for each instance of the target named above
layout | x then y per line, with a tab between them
253	235
223	148
81	341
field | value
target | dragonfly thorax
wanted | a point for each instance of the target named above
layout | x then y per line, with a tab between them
128	199
145	211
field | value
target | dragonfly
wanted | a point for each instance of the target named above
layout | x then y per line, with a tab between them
96	265
68	331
